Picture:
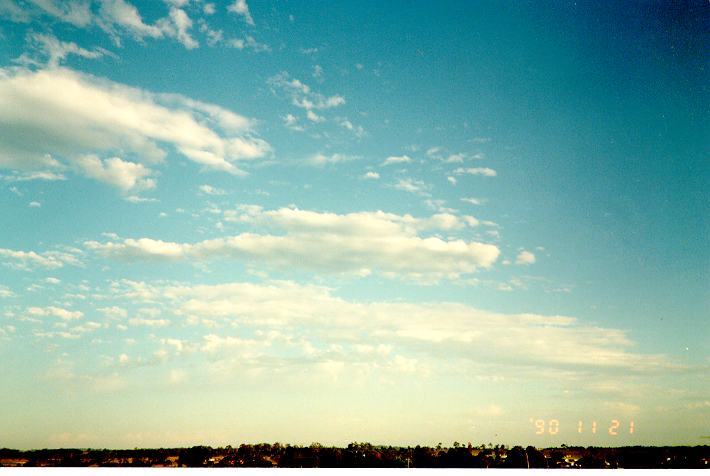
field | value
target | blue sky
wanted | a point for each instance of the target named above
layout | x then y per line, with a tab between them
395	222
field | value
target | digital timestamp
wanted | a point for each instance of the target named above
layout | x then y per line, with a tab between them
612	428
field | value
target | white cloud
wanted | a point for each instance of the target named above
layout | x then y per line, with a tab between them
113	312
57	50
34	204
401	159
473	201
249	42
177	25
313	117
53	311
126	176
452	180
392	333
241	8
126	16
92	116
29	176
26	260
210	190
6	292
302	96
371	176
485	171
351	243
359	131
76	12
412	186
10	10
525	258
318	71
322	159
209	9
139	321
291	122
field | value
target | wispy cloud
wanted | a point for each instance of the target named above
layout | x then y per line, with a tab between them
484	171
241	8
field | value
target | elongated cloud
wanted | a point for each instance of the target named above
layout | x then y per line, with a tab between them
50	118
484	171
426	331
394	245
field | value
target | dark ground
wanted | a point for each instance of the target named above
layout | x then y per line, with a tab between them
359	455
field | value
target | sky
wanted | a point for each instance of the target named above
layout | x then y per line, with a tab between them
399	222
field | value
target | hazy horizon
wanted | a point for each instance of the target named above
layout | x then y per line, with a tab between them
390	222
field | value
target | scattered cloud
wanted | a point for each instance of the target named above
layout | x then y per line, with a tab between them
291	122
177	25
412	186
27	260
525	258
397	159
303	97
208	9
371	176
241	8
322	159
248	43
473	201
484	171
53	311
210	190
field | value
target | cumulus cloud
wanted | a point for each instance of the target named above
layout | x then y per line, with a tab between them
525	257
92	117
371	175
126	176
360	243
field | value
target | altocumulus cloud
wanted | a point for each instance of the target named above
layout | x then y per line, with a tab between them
360	243
93	120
